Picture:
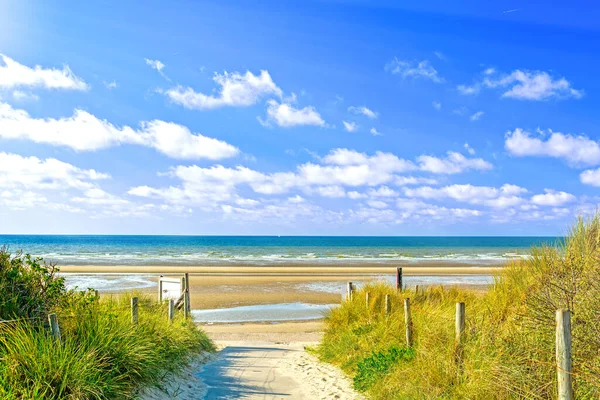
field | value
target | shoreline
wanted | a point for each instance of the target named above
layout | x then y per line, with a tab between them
414	268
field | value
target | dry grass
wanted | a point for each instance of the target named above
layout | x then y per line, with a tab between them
508	349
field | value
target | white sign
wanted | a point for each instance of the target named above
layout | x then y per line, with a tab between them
169	288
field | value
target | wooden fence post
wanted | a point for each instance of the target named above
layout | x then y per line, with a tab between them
367	300
171	310
460	321
160	289
563	355
408	322
187	296
134	310
388	304
54	328
398	278
349	290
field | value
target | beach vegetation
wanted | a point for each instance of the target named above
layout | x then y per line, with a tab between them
508	348
101	354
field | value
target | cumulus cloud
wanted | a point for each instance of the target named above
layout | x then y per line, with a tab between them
235	90
437	105
575	150
552	198
20	95
286	115
17	171
410	69
469	149
350	126
590	177
111	85
362	110
454	163
523	85
85	132
505	196
13	75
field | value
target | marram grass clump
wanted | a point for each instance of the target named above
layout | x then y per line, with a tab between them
102	355
508	347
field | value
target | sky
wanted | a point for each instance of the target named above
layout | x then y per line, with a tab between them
298	117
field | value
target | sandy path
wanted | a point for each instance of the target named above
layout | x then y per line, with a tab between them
263	370
261	366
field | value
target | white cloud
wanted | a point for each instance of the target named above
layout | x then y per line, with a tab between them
19	95
477	115
14	74
331	191
468	90
363	111
33	173
590	177
575	150
377	204
409	69
111	85
375	132
236	90
552	198
505	196
469	149
437	105
287	116
354	195
454	163
382	191
85	132
155	64
440	55
524	85
350	126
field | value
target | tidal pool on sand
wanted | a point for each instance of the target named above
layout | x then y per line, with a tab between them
263	313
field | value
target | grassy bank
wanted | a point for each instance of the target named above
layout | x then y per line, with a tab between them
508	349
101	356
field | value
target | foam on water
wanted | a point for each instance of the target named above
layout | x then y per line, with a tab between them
109	282
261	313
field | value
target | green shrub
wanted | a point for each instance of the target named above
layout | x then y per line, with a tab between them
372	368
28	286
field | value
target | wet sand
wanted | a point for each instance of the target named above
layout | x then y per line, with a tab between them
227	286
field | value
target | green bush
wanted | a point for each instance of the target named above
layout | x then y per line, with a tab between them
370	369
29	287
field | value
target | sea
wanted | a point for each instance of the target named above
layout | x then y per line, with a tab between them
146	250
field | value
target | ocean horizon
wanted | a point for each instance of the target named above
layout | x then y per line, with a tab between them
269	250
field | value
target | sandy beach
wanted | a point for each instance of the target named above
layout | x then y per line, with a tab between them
226	286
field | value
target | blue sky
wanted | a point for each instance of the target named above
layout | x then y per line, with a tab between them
298	117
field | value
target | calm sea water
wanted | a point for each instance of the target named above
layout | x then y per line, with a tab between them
266	250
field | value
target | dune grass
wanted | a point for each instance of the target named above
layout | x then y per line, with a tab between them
508	349
102	355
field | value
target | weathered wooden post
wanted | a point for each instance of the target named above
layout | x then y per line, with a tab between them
54	328
417	290
408	322
187	299
398	278
349	290
563	355
388	304
160	288
134	310
367	300
460	321
171	310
